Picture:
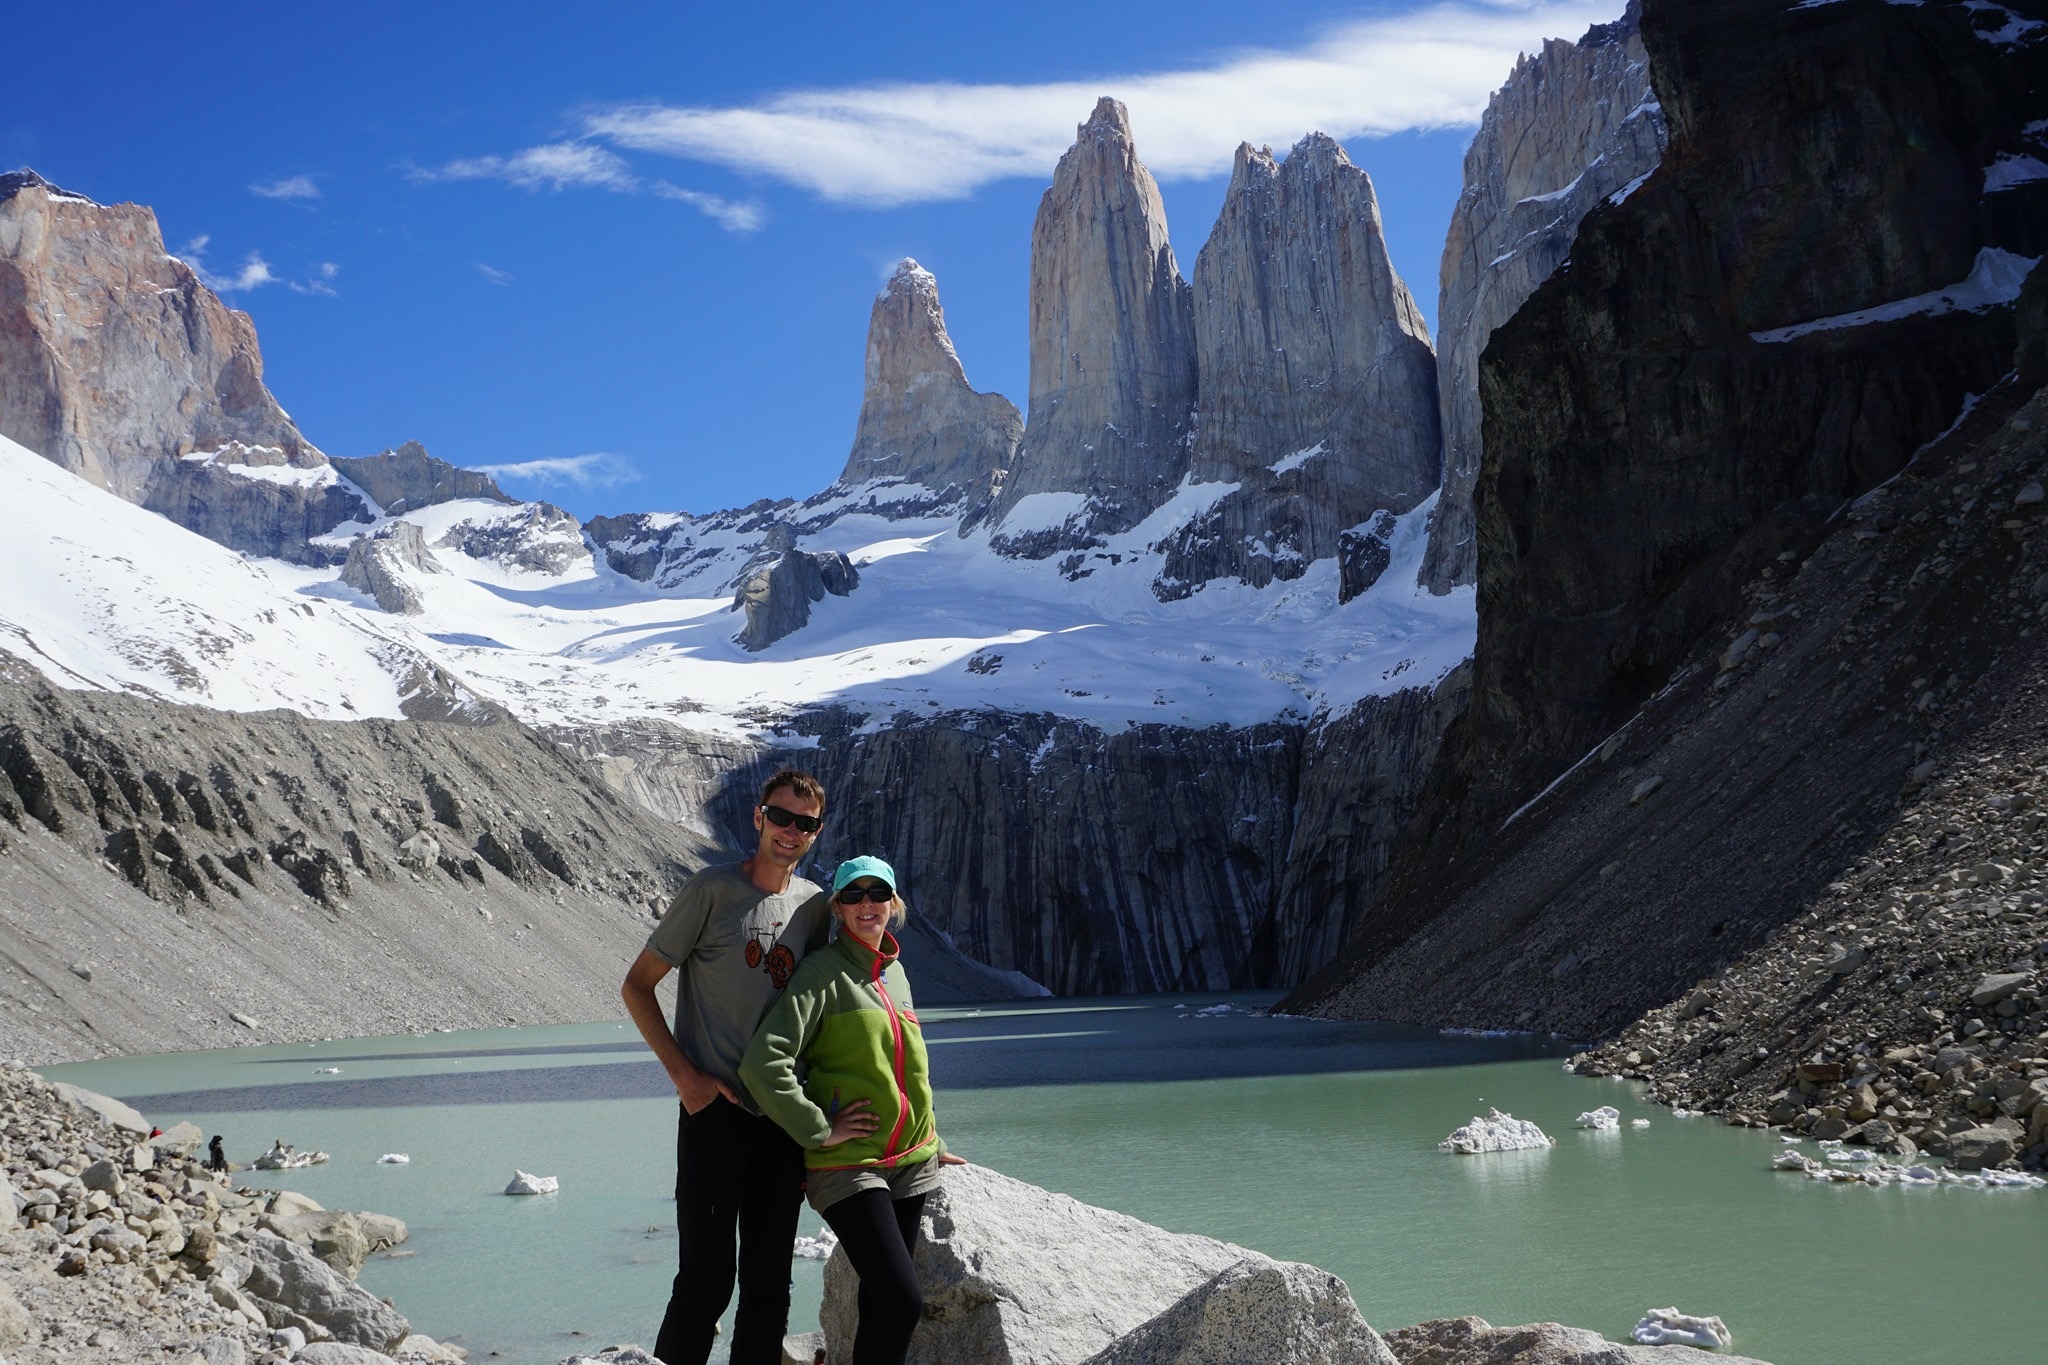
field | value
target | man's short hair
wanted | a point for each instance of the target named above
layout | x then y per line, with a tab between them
800	784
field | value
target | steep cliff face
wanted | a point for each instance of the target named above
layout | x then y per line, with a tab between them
318	877
1112	352
920	420
1317	384
117	364
408	478
1573	126
1814	287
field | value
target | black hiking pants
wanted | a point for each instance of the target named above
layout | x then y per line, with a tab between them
879	1234
735	1172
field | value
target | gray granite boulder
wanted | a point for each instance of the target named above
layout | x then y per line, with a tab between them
288	1277
777	599
378	565
1019	1274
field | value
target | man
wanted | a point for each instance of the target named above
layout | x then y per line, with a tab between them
733	934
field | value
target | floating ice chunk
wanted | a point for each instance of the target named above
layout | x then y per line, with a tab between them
1606	1119
1795	1161
1834	1150
1790	1137
1497	1132
1920	1174
522	1183
1639	1123
393	1159
326	1071
819	1248
2014	1179
1688	1113
282	1157
1669	1327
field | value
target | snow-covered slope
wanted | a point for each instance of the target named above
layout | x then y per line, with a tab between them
96	592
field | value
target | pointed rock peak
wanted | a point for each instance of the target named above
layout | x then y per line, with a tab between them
1110	119
1250	160
13	182
1320	147
908	274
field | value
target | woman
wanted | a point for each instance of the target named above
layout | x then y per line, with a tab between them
863	1108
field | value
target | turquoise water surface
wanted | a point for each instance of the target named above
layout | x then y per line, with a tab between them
1304	1139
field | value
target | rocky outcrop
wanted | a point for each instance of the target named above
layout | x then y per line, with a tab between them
530	537
920	421
1112	352
1573	126
175	850
777	599
1317	390
379	564
1475	1341
408	478
119	365
1013	1272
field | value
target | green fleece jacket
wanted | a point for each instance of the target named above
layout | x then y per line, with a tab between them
845	1030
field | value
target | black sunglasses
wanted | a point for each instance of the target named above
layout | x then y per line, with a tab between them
809	824
854	895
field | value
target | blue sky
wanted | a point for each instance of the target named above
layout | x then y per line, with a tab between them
628	250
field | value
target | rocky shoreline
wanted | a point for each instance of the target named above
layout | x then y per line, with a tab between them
115	1247
1905	1011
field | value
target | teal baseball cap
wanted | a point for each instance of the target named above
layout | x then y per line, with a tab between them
867	865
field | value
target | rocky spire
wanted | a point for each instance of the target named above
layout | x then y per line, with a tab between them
920	420
1112	345
117	363
1572	126
1317	384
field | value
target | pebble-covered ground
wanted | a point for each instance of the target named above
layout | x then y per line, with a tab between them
113	1250
1904	1012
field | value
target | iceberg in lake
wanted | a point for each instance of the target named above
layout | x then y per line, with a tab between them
1669	1327
282	1157
1497	1132
1605	1119
522	1183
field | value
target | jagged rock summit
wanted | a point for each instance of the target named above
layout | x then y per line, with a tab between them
920	420
408	478
118	364
1573	126
1317	386
1112	352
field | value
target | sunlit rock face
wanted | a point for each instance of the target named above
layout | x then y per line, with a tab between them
1112	348
118	364
1573	126
1317	392
921	422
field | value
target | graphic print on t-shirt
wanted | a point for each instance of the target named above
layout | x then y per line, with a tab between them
775	958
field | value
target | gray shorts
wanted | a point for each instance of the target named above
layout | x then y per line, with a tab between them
825	1188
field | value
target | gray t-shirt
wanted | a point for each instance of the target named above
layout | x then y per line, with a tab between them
733	947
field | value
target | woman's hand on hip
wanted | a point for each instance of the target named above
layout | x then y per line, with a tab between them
852	1121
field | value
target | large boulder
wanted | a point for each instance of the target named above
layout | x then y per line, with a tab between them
1475	1341
379	564
120	1115
1015	1273
777	599
290	1282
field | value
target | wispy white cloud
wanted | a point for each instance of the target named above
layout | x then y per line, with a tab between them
319	281
599	469
1431	67
286	187
553	166
734	215
254	274
493	274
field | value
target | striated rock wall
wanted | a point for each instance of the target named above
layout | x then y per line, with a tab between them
1572	126
1317	389
321	878
116	363
1112	348
920	420
1693	413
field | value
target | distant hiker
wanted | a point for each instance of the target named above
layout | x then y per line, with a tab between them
216	1159
154	1134
733	935
863	1106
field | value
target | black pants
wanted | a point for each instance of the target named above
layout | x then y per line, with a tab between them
734	1171
879	1234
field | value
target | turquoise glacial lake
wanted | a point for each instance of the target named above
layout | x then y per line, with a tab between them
1304	1139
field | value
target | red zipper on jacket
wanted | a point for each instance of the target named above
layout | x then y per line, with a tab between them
896	1064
